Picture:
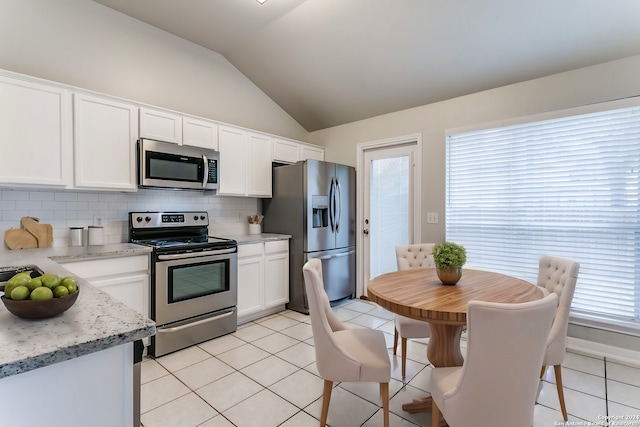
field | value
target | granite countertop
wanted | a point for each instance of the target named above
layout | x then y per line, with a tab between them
94	323
256	238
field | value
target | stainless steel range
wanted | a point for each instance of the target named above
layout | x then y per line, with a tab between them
194	278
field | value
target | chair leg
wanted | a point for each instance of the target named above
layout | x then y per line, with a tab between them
544	368
435	414
384	395
404	357
395	341
558	371
326	397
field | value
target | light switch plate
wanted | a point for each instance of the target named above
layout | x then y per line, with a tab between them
432	217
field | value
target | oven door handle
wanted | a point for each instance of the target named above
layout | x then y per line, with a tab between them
199	322
195	254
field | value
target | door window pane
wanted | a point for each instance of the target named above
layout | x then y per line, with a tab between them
389	212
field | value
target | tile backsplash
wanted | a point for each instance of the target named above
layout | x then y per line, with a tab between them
63	209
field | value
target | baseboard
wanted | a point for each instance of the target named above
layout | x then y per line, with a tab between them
612	353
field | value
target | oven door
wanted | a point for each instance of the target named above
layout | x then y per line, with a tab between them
194	284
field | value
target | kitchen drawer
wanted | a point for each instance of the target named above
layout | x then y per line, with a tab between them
107	267
252	249
276	246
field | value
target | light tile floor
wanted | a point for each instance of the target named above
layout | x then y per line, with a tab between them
264	375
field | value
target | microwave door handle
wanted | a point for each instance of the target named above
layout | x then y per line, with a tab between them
206	171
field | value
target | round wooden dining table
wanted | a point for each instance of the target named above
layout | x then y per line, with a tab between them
419	294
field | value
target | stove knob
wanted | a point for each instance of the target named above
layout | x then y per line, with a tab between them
139	219
195	217
202	217
148	218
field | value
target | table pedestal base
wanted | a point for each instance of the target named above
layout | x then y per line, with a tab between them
444	345
418	405
422	405
443	351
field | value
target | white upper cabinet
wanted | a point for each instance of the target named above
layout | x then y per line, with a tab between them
259	169
245	163
105	133
160	125
199	133
311	152
285	151
232	143
91	144
167	126
35	130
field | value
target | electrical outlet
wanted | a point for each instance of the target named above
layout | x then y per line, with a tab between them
98	221
432	217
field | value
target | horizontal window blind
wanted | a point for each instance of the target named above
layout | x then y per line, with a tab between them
566	187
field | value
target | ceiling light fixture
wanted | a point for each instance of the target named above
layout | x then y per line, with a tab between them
261	1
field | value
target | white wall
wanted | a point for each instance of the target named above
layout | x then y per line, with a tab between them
85	44
605	82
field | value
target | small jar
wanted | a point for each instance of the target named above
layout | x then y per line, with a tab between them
96	235
76	236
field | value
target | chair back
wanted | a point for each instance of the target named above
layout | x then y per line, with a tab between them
500	376
415	256
332	362
559	276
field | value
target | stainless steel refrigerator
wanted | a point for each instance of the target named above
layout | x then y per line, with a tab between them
315	203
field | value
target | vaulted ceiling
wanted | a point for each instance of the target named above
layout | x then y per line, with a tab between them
329	62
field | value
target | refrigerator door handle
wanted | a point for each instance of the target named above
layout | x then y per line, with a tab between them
332	206
338	204
351	252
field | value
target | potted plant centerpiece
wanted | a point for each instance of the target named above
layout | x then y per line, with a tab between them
449	258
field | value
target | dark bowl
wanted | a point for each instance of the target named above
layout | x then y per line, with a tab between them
28	309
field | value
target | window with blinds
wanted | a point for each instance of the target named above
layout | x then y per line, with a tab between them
567	186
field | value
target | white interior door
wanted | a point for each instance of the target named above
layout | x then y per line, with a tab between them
390	205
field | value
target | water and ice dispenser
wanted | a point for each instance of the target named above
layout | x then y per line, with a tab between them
320	206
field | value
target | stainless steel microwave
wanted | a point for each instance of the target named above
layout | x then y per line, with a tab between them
173	166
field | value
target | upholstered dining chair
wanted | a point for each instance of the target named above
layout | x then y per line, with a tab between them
343	354
559	276
408	257
498	381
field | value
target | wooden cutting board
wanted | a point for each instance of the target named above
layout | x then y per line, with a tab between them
42	232
18	238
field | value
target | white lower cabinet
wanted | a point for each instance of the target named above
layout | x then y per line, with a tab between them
124	278
263	279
